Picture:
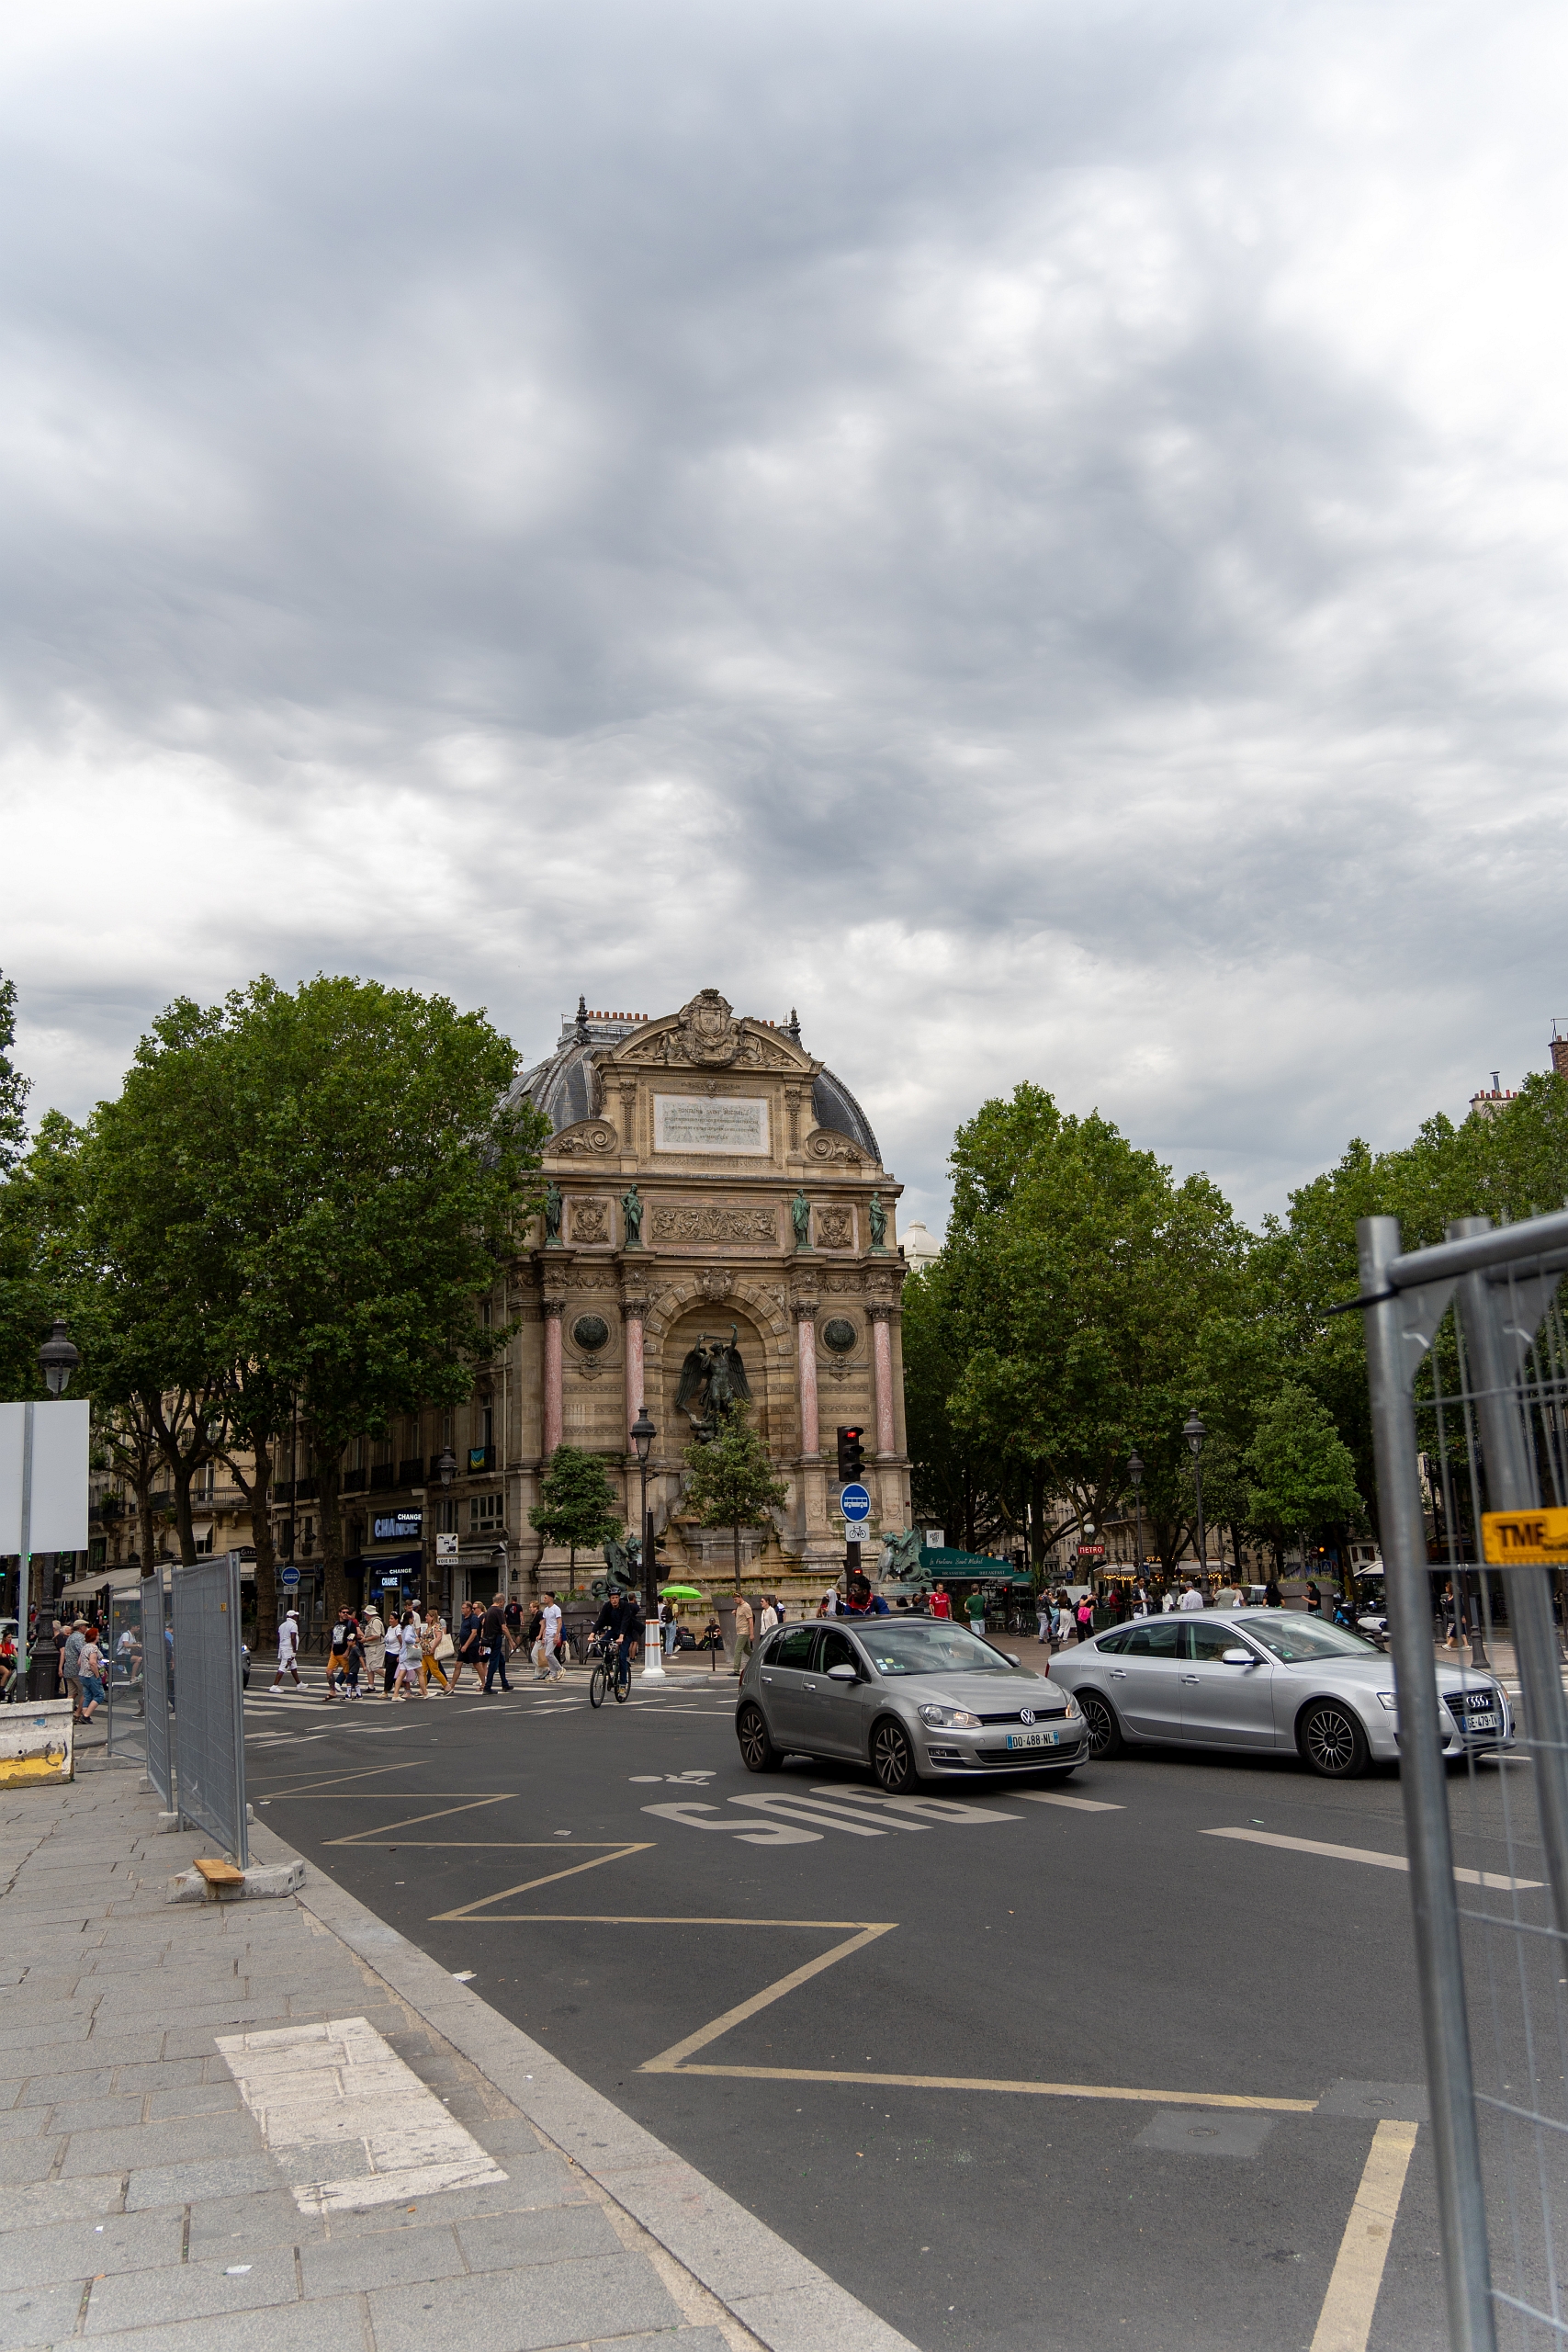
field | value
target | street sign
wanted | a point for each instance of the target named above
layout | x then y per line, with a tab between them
445	1547
855	1502
289	1579
1537	1537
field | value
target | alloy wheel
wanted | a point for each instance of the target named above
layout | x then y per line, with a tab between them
892	1759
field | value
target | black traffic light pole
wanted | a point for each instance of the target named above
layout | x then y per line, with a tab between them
851	1466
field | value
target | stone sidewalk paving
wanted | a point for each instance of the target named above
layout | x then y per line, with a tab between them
144	2208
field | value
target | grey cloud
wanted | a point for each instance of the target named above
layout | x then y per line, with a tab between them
847	504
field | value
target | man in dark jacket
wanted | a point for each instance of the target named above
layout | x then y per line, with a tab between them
495	1641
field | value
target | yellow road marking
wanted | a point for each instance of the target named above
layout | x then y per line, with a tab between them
1363	1854
668	2060
480	1914
442	1812
1345	2320
993	2083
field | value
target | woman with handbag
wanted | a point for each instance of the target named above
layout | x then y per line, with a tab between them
435	1648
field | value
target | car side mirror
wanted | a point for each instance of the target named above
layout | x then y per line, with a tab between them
1011	1656
1237	1658
843	1674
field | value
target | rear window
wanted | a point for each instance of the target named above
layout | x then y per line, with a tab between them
1158	1640
795	1648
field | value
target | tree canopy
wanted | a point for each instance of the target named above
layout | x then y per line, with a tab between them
578	1506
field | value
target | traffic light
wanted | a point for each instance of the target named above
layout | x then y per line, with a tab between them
852	1458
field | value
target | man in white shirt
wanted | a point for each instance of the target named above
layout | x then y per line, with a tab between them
288	1651
1191	1599
551	1613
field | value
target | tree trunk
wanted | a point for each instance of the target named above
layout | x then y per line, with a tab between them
257	1495
335	1583
737	1532
1037	1519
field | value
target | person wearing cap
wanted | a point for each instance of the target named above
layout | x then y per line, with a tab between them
287	1650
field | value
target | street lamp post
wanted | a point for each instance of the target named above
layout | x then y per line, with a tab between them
1135	1471
446	1470
1194	1432
643	1435
59	1359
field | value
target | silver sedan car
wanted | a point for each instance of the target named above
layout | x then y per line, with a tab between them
914	1698
1266	1678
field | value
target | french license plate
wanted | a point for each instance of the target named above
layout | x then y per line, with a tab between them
1481	1723
1033	1738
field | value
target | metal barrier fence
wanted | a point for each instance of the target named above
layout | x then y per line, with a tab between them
157	1689
125	1681
1468	1369
209	1701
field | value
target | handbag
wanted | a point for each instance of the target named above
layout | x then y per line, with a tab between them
444	1649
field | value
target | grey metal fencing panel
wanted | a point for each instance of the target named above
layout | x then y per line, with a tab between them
1468	1365
209	1700
155	1681
126	1682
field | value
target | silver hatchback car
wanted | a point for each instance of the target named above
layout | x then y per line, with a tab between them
1272	1679
914	1698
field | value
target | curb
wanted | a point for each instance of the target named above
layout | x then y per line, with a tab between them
784	2300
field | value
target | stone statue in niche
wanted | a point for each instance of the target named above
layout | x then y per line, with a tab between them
554	1207
800	1217
631	1209
713	1382
878	1217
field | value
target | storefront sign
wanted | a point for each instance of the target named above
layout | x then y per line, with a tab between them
398	1527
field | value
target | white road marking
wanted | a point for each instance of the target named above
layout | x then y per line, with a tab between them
1345	2320
817	1817
350	2125
1073	1804
770	1833
952	1810
1364	1854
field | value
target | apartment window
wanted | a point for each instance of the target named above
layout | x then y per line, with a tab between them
484	1512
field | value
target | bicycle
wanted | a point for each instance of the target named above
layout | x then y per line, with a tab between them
612	1671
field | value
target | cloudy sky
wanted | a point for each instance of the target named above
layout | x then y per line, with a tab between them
1034	533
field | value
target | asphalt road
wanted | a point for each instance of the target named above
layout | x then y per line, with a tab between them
618	1885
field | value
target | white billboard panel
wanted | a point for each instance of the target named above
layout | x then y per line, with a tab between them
59	1479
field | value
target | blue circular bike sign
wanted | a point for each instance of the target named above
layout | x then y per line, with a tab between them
855	1502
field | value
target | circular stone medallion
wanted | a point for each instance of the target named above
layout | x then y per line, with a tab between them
590	1332
839	1335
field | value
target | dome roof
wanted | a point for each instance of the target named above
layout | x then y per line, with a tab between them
918	1246
561	1085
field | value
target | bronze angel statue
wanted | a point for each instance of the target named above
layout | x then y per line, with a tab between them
713	1382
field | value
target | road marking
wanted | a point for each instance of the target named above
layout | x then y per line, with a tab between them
1073	1804
993	2083
950	1810
1364	1854
762	1832
668	2061
1344	2322
416	1820
819	1816
481	1913
349	2123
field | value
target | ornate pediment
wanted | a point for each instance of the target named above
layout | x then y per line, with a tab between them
588	1139
706	1034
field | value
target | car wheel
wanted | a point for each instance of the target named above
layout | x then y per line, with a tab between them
757	1750
1332	1742
893	1758
1100	1720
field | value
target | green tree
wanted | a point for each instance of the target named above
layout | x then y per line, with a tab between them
1303	1475
730	1481
14	1087
580	1504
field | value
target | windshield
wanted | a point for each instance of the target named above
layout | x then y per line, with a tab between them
1293	1639
930	1649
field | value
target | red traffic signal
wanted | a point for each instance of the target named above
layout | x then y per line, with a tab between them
851	1457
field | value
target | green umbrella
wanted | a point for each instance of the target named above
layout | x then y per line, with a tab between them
680	1592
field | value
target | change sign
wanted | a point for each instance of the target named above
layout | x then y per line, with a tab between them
1522	1537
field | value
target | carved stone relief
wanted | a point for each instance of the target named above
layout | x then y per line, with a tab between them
585	1140
714	1283
706	1036
709	1222
590	1221
835	1228
826	1144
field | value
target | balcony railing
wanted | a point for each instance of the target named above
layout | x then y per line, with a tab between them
412	1474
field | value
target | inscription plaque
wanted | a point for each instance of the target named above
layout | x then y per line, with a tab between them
729	1124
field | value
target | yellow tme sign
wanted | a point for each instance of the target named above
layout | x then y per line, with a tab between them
1510	1536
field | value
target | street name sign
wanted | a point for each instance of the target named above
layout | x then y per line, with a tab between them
855	1502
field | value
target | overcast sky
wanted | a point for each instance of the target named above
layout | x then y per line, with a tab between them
1034	533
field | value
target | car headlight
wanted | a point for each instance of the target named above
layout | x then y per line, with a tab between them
1073	1706
950	1718
1388	1698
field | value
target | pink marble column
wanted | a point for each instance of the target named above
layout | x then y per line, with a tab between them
632	1311
552	1430
806	1329
881	1345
